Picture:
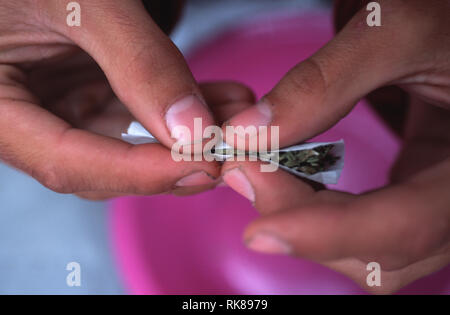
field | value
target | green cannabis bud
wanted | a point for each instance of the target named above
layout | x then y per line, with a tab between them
309	161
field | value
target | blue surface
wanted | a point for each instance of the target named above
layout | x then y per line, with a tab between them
41	232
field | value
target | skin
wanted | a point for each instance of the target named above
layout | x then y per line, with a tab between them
67	93
404	226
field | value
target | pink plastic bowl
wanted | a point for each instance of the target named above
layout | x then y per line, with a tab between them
192	245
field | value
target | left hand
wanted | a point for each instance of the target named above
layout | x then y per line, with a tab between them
66	92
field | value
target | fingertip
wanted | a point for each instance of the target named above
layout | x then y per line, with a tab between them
238	181
272	191
199	178
189	113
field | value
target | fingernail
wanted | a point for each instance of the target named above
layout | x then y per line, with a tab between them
268	244
239	182
195	179
222	184
182	113
257	116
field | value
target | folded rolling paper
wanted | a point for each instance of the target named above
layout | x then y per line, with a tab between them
320	162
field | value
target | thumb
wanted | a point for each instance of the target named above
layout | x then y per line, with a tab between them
318	92
144	68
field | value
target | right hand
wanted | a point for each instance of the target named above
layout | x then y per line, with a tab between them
404	226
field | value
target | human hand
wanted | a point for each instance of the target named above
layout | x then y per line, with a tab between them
58	113
405	226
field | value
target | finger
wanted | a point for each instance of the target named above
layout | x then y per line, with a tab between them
69	160
390	226
263	188
390	281
144	68
320	91
226	98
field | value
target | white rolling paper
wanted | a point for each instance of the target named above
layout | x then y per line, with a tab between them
137	134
